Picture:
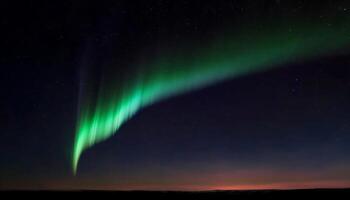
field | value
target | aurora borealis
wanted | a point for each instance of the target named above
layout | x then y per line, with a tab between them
244	51
175	95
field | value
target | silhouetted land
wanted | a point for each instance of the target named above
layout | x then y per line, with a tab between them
327	193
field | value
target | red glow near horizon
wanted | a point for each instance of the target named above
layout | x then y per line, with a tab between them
272	186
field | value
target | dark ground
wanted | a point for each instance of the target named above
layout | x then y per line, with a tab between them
268	194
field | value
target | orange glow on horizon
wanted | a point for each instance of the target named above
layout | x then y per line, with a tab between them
286	186
271	186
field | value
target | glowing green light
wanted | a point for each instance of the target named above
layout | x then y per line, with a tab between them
229	55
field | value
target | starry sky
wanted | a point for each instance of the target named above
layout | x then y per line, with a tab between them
284	126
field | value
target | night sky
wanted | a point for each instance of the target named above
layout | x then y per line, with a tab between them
175	95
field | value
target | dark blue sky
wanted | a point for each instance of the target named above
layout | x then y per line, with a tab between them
287	127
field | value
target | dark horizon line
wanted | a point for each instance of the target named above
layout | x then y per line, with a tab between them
171	191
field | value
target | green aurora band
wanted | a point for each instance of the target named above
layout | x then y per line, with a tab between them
165	73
